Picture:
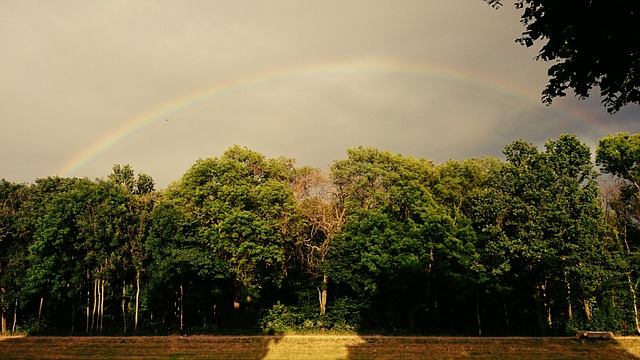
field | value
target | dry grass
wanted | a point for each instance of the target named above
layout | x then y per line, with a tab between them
314	347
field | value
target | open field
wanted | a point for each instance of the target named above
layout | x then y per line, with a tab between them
315	347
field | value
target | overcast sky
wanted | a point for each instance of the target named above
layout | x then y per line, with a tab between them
85	85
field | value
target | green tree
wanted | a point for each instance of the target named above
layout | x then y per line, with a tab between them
14	244
619	155
548	213
458	184
457	180
87	250
76	256
132	253
180	266
246	215
592	43
124	175
395	239
55	257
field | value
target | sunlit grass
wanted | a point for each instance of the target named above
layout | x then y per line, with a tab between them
631	344
311	347
7	337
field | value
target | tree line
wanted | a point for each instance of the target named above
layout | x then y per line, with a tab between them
544	242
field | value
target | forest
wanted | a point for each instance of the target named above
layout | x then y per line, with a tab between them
542	242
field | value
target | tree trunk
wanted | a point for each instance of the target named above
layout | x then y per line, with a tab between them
236	311
135	321
4	321
635	302
537	297
86	330
322	295
124	306
587	309
411	311
428	290
569	308
101	312
411	316
40	312
236	303
478	314
435	283
181	308
15	316
4	315
103	282
95	304
73	314
549	319
506	314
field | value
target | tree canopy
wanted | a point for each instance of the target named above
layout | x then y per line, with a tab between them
382	242
591	44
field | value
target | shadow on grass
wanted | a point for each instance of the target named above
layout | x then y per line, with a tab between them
382	347
142	347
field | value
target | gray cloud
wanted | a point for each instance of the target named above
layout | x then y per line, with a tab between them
71	73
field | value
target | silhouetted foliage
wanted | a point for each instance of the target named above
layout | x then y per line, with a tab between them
591	44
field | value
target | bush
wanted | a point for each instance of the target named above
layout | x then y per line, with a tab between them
282	319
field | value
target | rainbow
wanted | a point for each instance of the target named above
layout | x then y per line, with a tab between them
245	81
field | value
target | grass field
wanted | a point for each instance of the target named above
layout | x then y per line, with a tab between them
315	347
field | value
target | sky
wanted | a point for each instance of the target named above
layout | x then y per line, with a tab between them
157	85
